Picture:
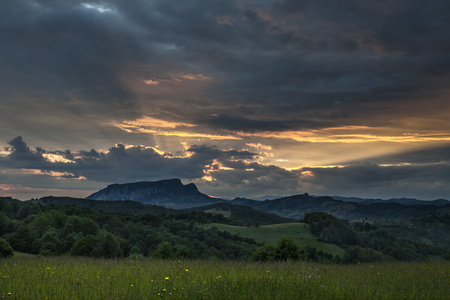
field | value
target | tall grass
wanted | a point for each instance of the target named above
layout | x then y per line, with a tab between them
33	277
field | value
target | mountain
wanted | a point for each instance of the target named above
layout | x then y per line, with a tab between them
404	201
295	207
171	193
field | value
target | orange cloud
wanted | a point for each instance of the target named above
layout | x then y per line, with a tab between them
352	134
167	128
151	82
153	122
190	76
56	158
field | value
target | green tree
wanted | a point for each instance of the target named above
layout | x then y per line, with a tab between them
107	245
5	249
357	254
50	243
84	246
286	249
164	250
447	256
135	253
81	225
5	224
265	253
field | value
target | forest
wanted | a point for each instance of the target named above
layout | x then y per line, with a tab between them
52	230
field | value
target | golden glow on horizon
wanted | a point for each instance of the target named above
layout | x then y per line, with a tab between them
162	127
343	134
321	136
184	134
153	122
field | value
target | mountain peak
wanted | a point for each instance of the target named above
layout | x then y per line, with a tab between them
170	193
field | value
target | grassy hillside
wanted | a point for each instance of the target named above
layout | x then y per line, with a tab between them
300	232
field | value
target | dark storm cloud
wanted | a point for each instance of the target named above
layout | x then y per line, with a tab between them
66	52
120	163
426	174
250	122
211	153
304	55
20	151
378	180
125	164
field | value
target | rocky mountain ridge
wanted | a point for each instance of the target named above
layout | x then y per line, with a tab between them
174	194
171	193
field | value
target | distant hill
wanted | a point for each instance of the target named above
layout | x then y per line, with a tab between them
243	214
404	201
168	193
296	206
122	206
237	213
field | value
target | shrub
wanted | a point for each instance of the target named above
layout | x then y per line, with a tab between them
164	250
5	249
285	249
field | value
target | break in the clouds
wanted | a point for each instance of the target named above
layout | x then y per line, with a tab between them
331	90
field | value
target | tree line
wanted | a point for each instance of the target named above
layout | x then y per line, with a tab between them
71	230
36	228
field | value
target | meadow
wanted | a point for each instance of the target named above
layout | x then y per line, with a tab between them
39	277
299	232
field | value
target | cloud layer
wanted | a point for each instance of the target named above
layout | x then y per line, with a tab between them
179	88
229	172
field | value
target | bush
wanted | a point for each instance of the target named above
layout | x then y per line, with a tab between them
447	256
84	246
285	249
107	245
5	249
164	250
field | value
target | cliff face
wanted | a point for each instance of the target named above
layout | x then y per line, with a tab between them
170	193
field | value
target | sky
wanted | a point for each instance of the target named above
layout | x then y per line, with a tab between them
243	98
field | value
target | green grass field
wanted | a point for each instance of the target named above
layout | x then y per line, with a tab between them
270	233
34	277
